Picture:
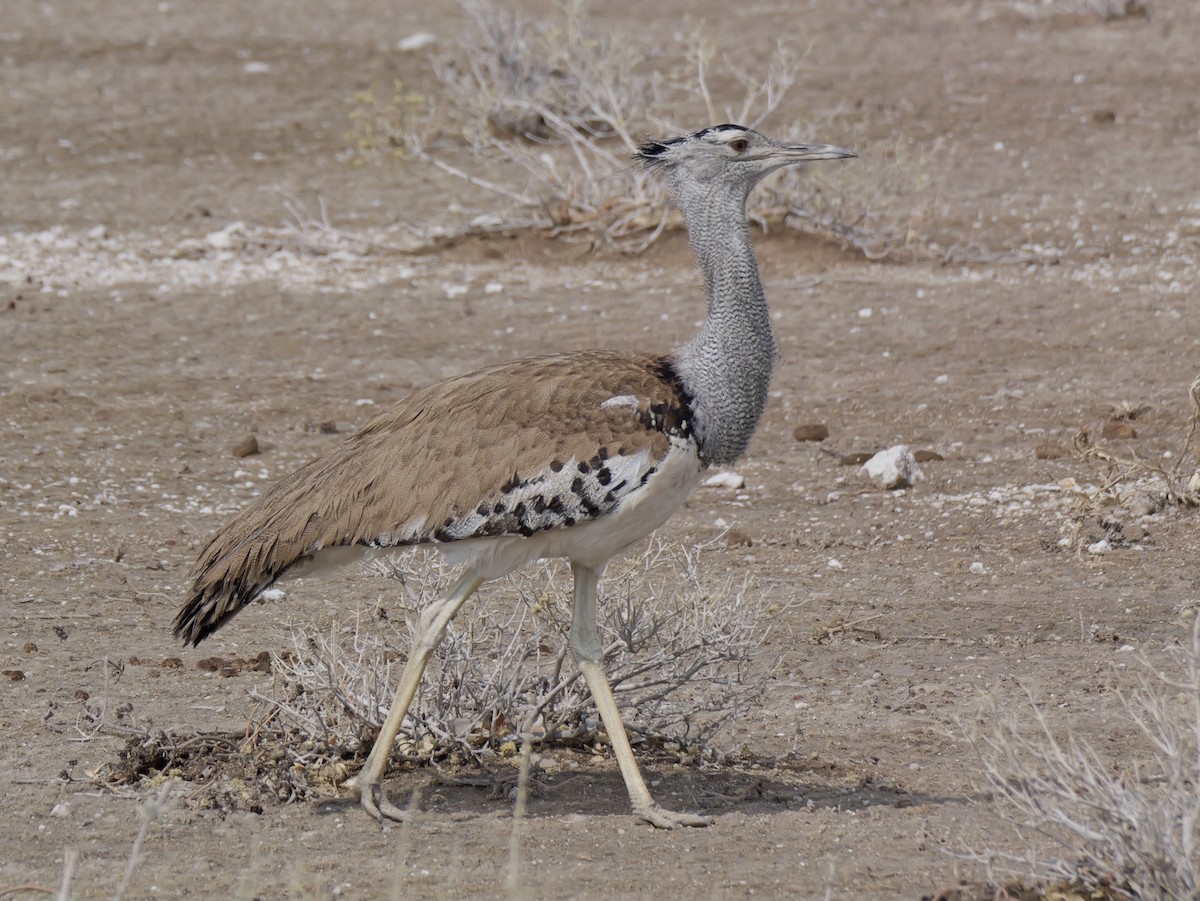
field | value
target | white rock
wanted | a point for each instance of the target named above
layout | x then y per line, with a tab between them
834	563
223	239
725	480
893	468
256	68
416	41
1100	547
273	594
977	568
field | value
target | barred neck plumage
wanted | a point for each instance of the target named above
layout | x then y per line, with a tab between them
726	368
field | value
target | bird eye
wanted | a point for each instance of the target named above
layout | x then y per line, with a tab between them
740	145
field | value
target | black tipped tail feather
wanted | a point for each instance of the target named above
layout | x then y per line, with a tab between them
209	607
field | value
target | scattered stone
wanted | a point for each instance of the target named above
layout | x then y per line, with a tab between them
893	468
1103	546
81	695
14	675
172	663
247	447
856	459
738	538
210	664
1050	451
61	809
224	238
417	41
811	431
1117	430
1143	505
927	456
725	480
834	563
30	648
328	427
977	568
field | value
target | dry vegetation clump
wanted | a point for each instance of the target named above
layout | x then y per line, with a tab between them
1129	828
676	654
1130	486
677	651
548	112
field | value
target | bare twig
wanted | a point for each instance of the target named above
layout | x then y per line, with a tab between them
149	812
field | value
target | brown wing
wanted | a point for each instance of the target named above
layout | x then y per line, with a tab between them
510	450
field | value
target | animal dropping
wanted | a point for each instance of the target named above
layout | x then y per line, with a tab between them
576	455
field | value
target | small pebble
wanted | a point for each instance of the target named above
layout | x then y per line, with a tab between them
725	480
1100	547
1118	430
893	468
247	447
1050	452
812	431
738	538
416	41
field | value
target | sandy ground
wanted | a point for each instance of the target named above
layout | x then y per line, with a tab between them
133	354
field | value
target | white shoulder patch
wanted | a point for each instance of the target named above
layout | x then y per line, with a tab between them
621	400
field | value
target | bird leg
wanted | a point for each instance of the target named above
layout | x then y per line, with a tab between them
589	654
431	628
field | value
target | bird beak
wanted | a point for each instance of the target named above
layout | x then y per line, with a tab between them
798	153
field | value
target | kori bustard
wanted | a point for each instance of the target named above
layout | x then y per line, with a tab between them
575	455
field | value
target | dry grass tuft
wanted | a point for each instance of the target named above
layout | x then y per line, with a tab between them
547	113
1130	486
677	651
676	654
1130	828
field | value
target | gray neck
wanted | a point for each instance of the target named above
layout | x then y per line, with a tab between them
726	368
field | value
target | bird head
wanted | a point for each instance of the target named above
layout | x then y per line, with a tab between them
730	154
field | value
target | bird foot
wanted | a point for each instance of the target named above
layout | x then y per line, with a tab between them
373	800
662	818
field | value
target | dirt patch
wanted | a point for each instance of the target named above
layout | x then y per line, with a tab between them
140	340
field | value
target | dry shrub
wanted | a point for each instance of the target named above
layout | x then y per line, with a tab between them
1130	827
676	652
549	111
1130	486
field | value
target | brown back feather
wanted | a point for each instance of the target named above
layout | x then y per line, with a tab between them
422	468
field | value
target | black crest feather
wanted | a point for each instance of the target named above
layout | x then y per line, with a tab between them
652	151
